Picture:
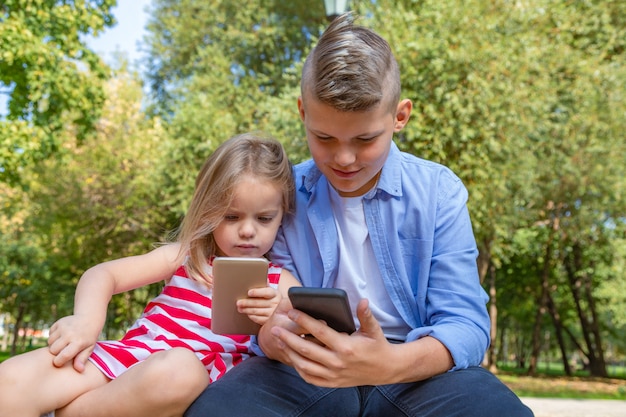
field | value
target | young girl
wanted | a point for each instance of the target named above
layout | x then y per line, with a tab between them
170	354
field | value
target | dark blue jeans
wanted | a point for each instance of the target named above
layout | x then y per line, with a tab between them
262	388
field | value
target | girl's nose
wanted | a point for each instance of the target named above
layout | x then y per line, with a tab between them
247	229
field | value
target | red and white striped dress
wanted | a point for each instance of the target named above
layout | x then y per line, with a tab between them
180	316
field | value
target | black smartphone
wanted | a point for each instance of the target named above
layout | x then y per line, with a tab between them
232	278
328	304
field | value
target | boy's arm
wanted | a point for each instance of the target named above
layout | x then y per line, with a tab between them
73	337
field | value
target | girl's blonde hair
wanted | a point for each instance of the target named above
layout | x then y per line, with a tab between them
245	154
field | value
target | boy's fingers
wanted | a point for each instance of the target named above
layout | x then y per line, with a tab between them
369	324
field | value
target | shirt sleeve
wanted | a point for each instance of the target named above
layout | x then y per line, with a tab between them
455	302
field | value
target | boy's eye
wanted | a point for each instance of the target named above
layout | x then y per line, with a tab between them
367	139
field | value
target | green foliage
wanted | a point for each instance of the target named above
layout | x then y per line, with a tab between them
51	78
252	46
217	69
93	202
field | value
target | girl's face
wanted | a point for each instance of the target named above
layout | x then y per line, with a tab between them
251	222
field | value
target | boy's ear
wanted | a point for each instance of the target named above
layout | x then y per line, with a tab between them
300	108
403	112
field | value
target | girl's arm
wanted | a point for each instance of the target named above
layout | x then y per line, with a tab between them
74	336
287	280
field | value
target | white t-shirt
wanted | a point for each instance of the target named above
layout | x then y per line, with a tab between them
358	273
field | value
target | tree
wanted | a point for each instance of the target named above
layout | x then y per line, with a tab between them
217	69
52	81
93	202
252	46
26	280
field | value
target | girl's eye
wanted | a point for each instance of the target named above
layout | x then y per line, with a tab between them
265	219
230	217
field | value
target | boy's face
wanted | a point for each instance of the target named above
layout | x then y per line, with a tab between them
350	148
250	225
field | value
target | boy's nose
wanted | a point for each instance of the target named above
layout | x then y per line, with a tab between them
344	156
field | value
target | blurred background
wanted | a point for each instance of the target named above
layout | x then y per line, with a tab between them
107	113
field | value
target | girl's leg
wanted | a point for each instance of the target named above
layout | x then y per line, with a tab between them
163	385
31	385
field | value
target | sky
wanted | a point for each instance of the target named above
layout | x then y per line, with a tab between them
126	35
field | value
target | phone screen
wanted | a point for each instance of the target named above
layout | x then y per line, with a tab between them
328	304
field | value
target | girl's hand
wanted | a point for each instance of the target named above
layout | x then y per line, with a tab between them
260	305
72	338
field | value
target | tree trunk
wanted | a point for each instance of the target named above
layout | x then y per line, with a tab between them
536	336
581	289
543	300
493	314
558	327
16	330
483	263
5	334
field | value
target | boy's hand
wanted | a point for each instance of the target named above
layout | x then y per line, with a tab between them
72	338
260	305
335	359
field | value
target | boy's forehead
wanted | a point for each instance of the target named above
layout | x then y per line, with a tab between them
321	118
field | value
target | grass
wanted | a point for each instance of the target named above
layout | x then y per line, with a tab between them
551	382
551	386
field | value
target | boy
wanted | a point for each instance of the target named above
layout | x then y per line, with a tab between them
393	231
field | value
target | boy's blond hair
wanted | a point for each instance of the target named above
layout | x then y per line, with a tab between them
351	69
241	155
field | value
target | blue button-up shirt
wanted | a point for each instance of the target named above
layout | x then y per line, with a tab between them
423	241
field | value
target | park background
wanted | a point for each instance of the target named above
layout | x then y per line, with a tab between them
524	100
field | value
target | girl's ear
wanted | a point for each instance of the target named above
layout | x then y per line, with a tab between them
403	112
